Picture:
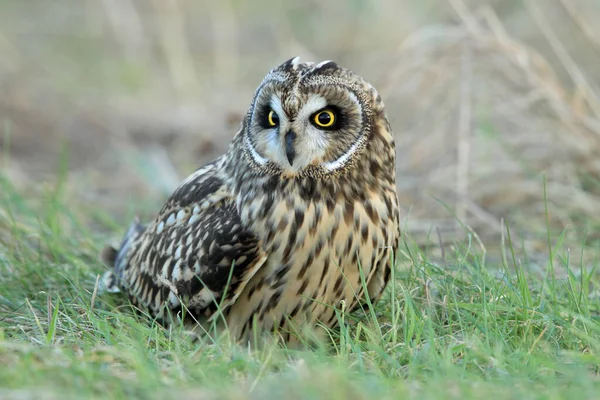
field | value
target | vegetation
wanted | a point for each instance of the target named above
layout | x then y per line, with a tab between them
461	329
106	105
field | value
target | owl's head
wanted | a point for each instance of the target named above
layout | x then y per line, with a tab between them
311	119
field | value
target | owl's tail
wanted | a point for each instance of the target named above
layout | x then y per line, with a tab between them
117	259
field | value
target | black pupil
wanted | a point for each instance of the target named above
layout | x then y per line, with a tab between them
274	117
324	118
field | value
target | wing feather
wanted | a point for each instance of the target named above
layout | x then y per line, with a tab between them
195	252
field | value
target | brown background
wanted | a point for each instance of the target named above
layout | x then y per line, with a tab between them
485	98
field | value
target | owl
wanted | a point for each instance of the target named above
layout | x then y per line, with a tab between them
298	218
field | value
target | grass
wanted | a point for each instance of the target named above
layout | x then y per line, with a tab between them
464	322
455	329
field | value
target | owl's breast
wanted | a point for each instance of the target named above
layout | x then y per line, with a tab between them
320	254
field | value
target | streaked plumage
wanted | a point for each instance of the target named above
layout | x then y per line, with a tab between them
304	196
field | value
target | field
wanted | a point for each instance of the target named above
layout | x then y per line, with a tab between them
106	105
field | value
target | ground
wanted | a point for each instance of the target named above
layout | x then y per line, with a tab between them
105	106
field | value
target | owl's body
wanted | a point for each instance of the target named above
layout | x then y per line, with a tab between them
299	215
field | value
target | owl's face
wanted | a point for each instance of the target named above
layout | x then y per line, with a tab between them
308	117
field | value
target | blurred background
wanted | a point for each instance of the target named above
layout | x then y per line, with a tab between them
494	104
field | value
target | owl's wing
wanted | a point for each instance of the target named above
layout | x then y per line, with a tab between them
195	254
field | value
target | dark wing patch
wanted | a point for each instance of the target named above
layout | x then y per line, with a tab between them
194	248
189	194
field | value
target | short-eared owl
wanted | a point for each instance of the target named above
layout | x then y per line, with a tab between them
300	214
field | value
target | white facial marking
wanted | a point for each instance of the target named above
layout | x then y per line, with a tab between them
260	160
273	143
311	142
339	162
314	104
276	106
336	164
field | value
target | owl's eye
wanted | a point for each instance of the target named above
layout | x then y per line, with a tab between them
273	118
324	119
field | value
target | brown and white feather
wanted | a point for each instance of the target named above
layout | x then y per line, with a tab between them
286	243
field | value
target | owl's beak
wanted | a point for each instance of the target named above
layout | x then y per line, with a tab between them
290	151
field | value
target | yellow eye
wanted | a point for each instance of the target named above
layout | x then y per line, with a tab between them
273	118
324	119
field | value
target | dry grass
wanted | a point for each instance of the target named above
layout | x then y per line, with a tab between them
487	99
